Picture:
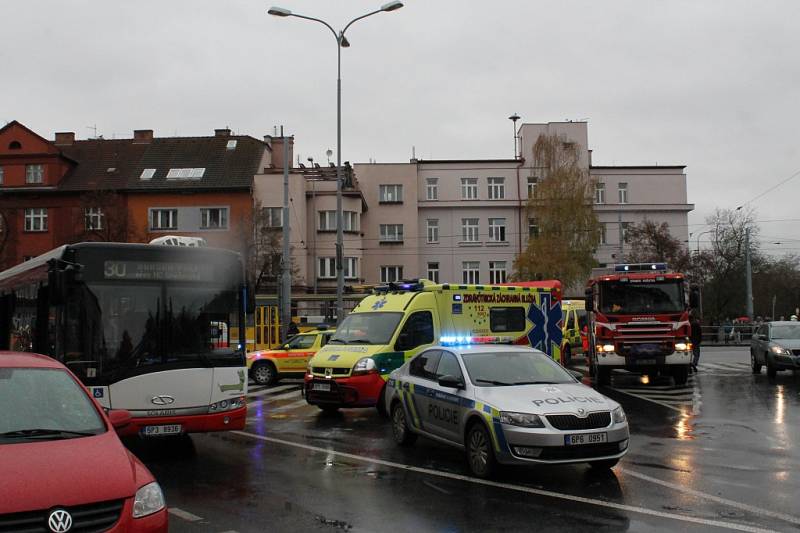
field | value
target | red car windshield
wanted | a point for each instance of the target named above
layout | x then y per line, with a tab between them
44	404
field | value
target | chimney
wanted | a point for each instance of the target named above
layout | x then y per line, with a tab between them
65	138
222	132
277	151
142	136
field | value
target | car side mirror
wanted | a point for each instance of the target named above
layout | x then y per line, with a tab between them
284	347
762	337
451	382
120	418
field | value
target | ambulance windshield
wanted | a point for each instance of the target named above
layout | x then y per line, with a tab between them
366	328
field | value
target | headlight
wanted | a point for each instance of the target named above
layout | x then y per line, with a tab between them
149	499
525	420
605	348
618	415
683	346
364	365
780	350
226	405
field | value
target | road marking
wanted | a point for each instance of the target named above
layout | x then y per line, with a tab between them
184	515
436	487
683	489
275	398
289	407
273	390
520	488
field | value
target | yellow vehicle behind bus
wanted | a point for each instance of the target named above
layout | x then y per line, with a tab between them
574	312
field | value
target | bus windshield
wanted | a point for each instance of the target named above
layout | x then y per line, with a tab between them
635	298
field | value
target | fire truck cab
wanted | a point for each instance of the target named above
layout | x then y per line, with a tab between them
639	321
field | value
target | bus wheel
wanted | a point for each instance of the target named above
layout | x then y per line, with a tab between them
264	373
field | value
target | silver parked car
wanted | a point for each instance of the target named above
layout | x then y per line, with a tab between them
506	404
777	346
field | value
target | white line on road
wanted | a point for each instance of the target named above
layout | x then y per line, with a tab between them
184	515
518	488
272	390
275	398
289	407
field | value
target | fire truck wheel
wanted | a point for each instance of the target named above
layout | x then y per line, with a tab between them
680	375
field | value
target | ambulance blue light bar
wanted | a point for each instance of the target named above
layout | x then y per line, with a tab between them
466	340
401	286
641	267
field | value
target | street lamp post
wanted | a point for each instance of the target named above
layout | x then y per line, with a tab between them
341	42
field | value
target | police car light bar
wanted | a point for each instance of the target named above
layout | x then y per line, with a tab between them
641	267
459	340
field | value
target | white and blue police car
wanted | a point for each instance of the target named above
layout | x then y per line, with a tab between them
503	404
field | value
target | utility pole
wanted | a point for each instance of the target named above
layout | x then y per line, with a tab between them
286	263
621	236
748	274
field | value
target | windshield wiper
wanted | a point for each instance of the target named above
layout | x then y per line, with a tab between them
36	433
361	341
537	382
493	382
337	341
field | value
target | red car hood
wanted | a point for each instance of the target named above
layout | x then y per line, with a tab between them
41	475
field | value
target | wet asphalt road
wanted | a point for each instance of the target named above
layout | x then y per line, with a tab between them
716	454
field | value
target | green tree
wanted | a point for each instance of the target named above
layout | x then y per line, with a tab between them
565	230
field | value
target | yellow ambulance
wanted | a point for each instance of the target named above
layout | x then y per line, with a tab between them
399	320
574	314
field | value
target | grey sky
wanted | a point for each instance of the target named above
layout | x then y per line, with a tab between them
713	85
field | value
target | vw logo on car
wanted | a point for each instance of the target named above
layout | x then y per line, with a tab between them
162	399
60	521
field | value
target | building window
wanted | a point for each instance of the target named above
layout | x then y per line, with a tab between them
27	258
391	233
431	188
433	230
1	175
185	173
470	271
36	219
497	188
93	218
622	189
469	188
327	268
433	272
163	219
273	217
391	194
533	182
214	218
327	221
469	230
14	145
497	230
391	273
625	226
497	272
599	193
34	173
533	228
147	174
603	233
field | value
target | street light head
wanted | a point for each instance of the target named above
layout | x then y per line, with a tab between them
343	42
391	6
279	11
514	118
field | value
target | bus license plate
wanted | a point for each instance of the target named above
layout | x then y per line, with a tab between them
151	431
326	387
585	438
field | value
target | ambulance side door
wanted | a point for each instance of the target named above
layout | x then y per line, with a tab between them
444	407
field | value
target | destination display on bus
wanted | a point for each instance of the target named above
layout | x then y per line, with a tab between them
158	271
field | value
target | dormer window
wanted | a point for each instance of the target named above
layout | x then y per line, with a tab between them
14	145
34	173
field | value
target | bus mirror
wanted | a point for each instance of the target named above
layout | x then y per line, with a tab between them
694	298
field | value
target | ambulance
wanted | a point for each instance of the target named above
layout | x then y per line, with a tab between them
397	321
574	314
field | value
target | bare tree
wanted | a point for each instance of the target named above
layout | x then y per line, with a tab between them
650	241
568	231
104	216
263	251
7	237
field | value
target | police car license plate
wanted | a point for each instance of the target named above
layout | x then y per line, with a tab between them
326	387
151	431
585	438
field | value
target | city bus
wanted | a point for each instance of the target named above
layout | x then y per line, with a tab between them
141	325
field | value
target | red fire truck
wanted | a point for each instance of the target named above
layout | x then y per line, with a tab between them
639	321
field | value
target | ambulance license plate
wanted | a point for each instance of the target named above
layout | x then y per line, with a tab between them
152	431
325	387
585	438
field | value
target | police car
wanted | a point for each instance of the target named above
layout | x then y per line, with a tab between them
503	404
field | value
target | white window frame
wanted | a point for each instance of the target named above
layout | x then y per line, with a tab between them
390	193
497	188
432	230
498	272
170	213
625	226
273	216
326	221
533	228
603	233
396	272
497	230
431	189
471	272
470	230
432	271
206	218
36	219
533	184
599	193
622	192
391	233
185	173
34	173
469	188
93	218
